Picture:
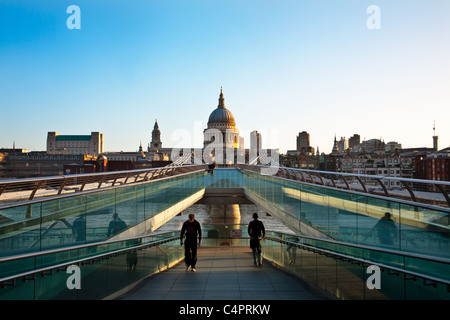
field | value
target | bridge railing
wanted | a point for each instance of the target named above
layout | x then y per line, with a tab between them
91	215
351	216
87	272
357	272
28	189
417	190
346	270
106	267
328	263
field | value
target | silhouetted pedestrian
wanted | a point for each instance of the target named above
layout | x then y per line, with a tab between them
211	168
256	231
192	229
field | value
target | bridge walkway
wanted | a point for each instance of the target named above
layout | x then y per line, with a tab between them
224	273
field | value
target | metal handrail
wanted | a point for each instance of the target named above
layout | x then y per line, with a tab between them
348	244
387	198
442	186
103	188
77	247
58	183
365	261
447	183
366	247
4	281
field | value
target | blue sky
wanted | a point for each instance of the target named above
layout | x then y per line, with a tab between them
285	67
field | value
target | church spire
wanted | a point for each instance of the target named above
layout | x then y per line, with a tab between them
156	143
221	99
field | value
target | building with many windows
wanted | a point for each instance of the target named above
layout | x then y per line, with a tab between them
434	166
75	144
40	164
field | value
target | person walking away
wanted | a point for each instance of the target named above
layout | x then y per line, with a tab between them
256	231
191	229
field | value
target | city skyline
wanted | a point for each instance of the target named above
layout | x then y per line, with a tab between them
285	67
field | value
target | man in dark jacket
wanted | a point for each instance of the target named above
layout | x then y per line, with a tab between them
256	231
191	228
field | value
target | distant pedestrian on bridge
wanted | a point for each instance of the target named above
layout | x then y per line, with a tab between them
256	231
211	168
191	229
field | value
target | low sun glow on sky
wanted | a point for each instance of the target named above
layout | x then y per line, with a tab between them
285	66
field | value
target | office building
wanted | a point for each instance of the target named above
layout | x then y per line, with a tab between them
75	144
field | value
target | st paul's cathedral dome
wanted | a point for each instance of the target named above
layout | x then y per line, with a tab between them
222	127
221	117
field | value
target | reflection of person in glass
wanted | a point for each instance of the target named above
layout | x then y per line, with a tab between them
79	228
386	230
116	225
291	250
132	257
